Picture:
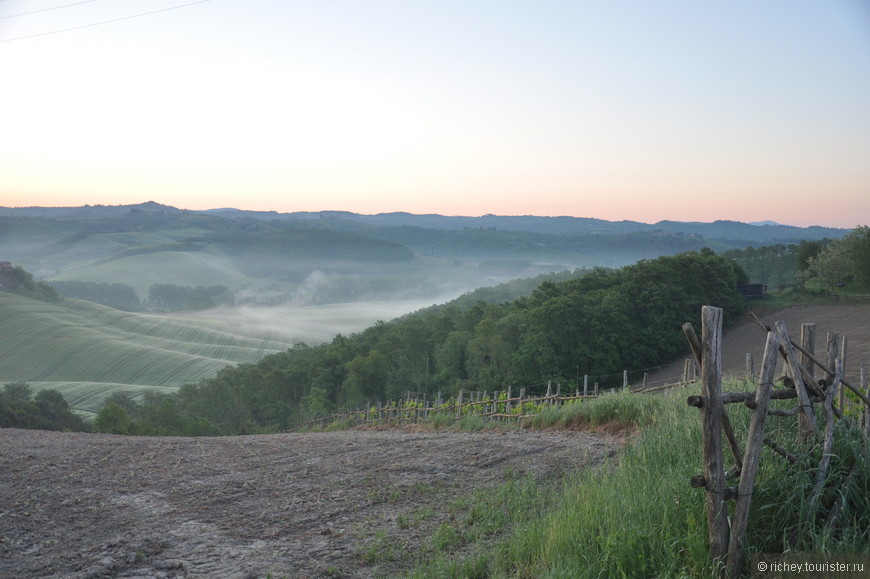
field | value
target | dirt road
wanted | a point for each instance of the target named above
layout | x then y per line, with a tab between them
295	505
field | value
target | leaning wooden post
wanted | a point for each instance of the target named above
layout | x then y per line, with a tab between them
843	347
806	419
808	344
832	349
866	389
711	430
828	443
736	556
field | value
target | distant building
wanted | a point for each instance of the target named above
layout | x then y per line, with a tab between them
5	265
752	291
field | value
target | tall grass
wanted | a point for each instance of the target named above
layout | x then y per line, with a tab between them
639	516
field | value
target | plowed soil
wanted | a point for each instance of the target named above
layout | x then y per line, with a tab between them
286	505
851	322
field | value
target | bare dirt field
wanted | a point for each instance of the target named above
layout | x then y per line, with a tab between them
290	505
850	321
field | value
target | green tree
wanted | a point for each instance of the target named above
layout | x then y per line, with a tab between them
56	412
807	250
113	419
366	378
17	410
859	240
841	261
16	392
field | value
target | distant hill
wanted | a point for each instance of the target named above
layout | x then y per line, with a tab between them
767	231
761	231
350	256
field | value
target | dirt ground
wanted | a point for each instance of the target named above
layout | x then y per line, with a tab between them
296	505
746	336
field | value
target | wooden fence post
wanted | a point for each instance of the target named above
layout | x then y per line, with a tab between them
711	430
806	419
736	556
866	389
750	371
843	343
585	384
832	349
808	344
459	404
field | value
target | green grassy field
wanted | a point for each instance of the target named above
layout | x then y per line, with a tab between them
188	268
88	351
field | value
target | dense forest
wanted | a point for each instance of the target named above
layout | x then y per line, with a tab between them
597	324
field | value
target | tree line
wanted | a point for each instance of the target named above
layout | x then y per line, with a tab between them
47	410
811	265
162	296
596	324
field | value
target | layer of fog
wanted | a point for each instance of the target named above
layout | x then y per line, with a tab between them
312	324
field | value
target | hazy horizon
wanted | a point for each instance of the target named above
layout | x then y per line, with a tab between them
744	111
759	221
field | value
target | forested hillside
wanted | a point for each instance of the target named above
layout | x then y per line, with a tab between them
598	324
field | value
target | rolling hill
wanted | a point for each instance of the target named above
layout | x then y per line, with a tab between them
86	351
267	258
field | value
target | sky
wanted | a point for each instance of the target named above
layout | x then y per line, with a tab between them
688	110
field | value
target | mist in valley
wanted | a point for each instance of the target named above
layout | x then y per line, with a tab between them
310	324
327	304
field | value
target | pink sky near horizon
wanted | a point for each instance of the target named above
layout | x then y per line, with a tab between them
678	111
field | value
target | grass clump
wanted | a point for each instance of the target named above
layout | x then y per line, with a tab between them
475	523
613	411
